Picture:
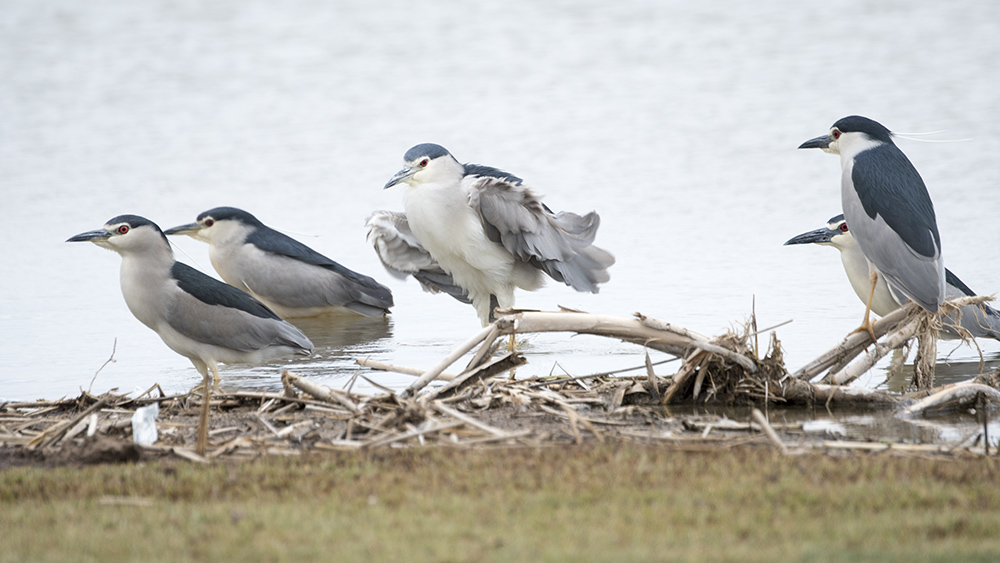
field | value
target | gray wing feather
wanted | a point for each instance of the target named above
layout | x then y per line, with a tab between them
403	255
560	244
919	277
982	321
231	328
294	283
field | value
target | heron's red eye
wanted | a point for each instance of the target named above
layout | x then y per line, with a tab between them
209	222
123	229
835	134
424	162
843	227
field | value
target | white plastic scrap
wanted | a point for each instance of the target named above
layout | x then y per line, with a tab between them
144	424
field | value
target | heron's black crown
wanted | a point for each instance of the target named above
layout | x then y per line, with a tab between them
232	214
430	150
134	221
870	127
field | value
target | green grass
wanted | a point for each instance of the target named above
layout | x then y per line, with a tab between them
600	503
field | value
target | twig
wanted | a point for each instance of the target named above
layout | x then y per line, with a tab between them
601	374
768	430
411	434
446	410
267	424
114	346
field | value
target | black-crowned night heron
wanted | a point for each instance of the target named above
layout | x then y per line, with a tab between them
286	275
982	321
491	233
196	315
889	211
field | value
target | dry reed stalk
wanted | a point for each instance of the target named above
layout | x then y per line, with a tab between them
48	438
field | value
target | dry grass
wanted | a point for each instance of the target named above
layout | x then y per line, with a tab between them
601	502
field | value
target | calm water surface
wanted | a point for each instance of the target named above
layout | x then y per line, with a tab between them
677	121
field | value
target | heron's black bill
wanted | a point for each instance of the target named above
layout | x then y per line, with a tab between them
821	142
819	236
99	234
183	229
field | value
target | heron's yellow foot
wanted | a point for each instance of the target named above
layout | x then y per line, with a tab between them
867	326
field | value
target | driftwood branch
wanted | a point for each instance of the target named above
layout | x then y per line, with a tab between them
373	364
859	366
434	372
631	330
851	346
489	369
953	395
484	349
321	392
842	354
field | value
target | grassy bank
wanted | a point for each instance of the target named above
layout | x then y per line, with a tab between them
616	502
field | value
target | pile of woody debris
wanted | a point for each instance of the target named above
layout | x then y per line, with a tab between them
483	406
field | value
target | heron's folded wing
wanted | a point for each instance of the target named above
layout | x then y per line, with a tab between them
275	242
216	313
560	244
980	320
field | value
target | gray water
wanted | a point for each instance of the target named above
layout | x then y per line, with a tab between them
677	121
